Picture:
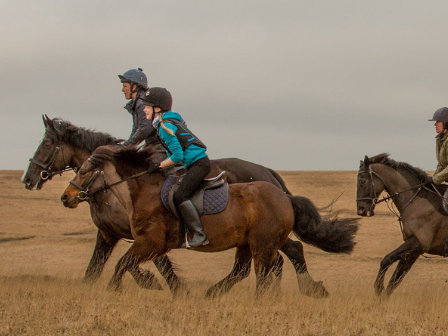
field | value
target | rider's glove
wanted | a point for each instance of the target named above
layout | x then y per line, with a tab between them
429	180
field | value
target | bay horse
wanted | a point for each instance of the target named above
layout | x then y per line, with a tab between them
257	220
423	221
65	147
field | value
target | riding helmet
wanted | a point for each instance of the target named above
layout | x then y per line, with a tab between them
440	115
135	76
160	97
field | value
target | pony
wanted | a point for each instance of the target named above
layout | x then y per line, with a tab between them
423	222
257	220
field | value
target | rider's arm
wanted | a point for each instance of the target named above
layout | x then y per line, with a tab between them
142	128
173	144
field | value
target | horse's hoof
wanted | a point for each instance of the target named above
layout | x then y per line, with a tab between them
147	280
213	293
315	290
113	288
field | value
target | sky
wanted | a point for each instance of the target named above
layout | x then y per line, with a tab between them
292	85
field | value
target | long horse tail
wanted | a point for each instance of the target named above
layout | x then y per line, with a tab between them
280	180
331	235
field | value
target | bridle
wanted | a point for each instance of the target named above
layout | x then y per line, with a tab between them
47	172
85	194
375	200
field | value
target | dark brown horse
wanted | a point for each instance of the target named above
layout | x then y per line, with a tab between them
66	146
257	220
423	221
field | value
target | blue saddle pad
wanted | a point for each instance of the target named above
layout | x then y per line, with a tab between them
215	200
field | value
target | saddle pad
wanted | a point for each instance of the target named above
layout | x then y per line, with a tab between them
215	200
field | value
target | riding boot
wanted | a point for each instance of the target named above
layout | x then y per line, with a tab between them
193	221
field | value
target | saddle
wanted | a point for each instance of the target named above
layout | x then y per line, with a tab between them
211	197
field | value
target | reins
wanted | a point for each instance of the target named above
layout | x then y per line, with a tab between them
375	200
84	192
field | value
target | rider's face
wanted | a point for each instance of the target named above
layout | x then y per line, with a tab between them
149	110
439	126
126	90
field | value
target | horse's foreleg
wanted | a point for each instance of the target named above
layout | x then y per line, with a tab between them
307	286
402	269
139	252
145	278
104	245
165	268
407	253
241	270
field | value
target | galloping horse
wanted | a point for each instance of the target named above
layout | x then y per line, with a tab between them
424	222
65	147
257	220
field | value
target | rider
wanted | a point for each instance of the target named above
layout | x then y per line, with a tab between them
182	146
135	86
441	123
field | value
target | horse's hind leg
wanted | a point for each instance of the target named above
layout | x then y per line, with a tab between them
104	245
241	269
307	286
407	253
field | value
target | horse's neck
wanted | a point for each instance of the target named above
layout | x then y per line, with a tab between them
395	183
78	156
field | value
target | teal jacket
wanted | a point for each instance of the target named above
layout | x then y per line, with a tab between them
188	156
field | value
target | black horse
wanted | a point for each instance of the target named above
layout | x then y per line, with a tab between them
66	147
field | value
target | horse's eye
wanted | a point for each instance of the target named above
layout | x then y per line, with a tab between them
362	181
83	172
47	144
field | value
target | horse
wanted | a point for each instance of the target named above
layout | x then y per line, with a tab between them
65	147
423	222
257	219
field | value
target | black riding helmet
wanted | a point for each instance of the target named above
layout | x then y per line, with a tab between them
440	115
158	97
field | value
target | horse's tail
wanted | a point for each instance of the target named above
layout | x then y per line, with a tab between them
329	235
280	180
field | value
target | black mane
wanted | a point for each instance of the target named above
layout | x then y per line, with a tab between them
82	138
384	159
128	156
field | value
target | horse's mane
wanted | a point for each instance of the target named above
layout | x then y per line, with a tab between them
129	156
82	138
386	160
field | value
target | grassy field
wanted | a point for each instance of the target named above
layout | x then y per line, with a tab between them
45	249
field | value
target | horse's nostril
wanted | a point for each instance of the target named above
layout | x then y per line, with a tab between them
64	197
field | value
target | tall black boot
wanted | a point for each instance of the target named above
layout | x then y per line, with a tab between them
193	221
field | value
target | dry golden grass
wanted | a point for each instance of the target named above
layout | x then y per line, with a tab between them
45	249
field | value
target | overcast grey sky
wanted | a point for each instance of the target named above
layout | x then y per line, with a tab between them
293	85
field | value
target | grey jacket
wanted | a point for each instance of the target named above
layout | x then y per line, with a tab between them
141	127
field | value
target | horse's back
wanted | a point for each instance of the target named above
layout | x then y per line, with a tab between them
241	171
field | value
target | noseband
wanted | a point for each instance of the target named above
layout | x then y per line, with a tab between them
47	172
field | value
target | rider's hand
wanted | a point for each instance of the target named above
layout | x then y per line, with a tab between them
429	180
153	167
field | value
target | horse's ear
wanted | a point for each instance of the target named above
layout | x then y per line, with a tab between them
366	161
45	119
49	123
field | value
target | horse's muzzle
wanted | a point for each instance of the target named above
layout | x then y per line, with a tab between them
365	213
